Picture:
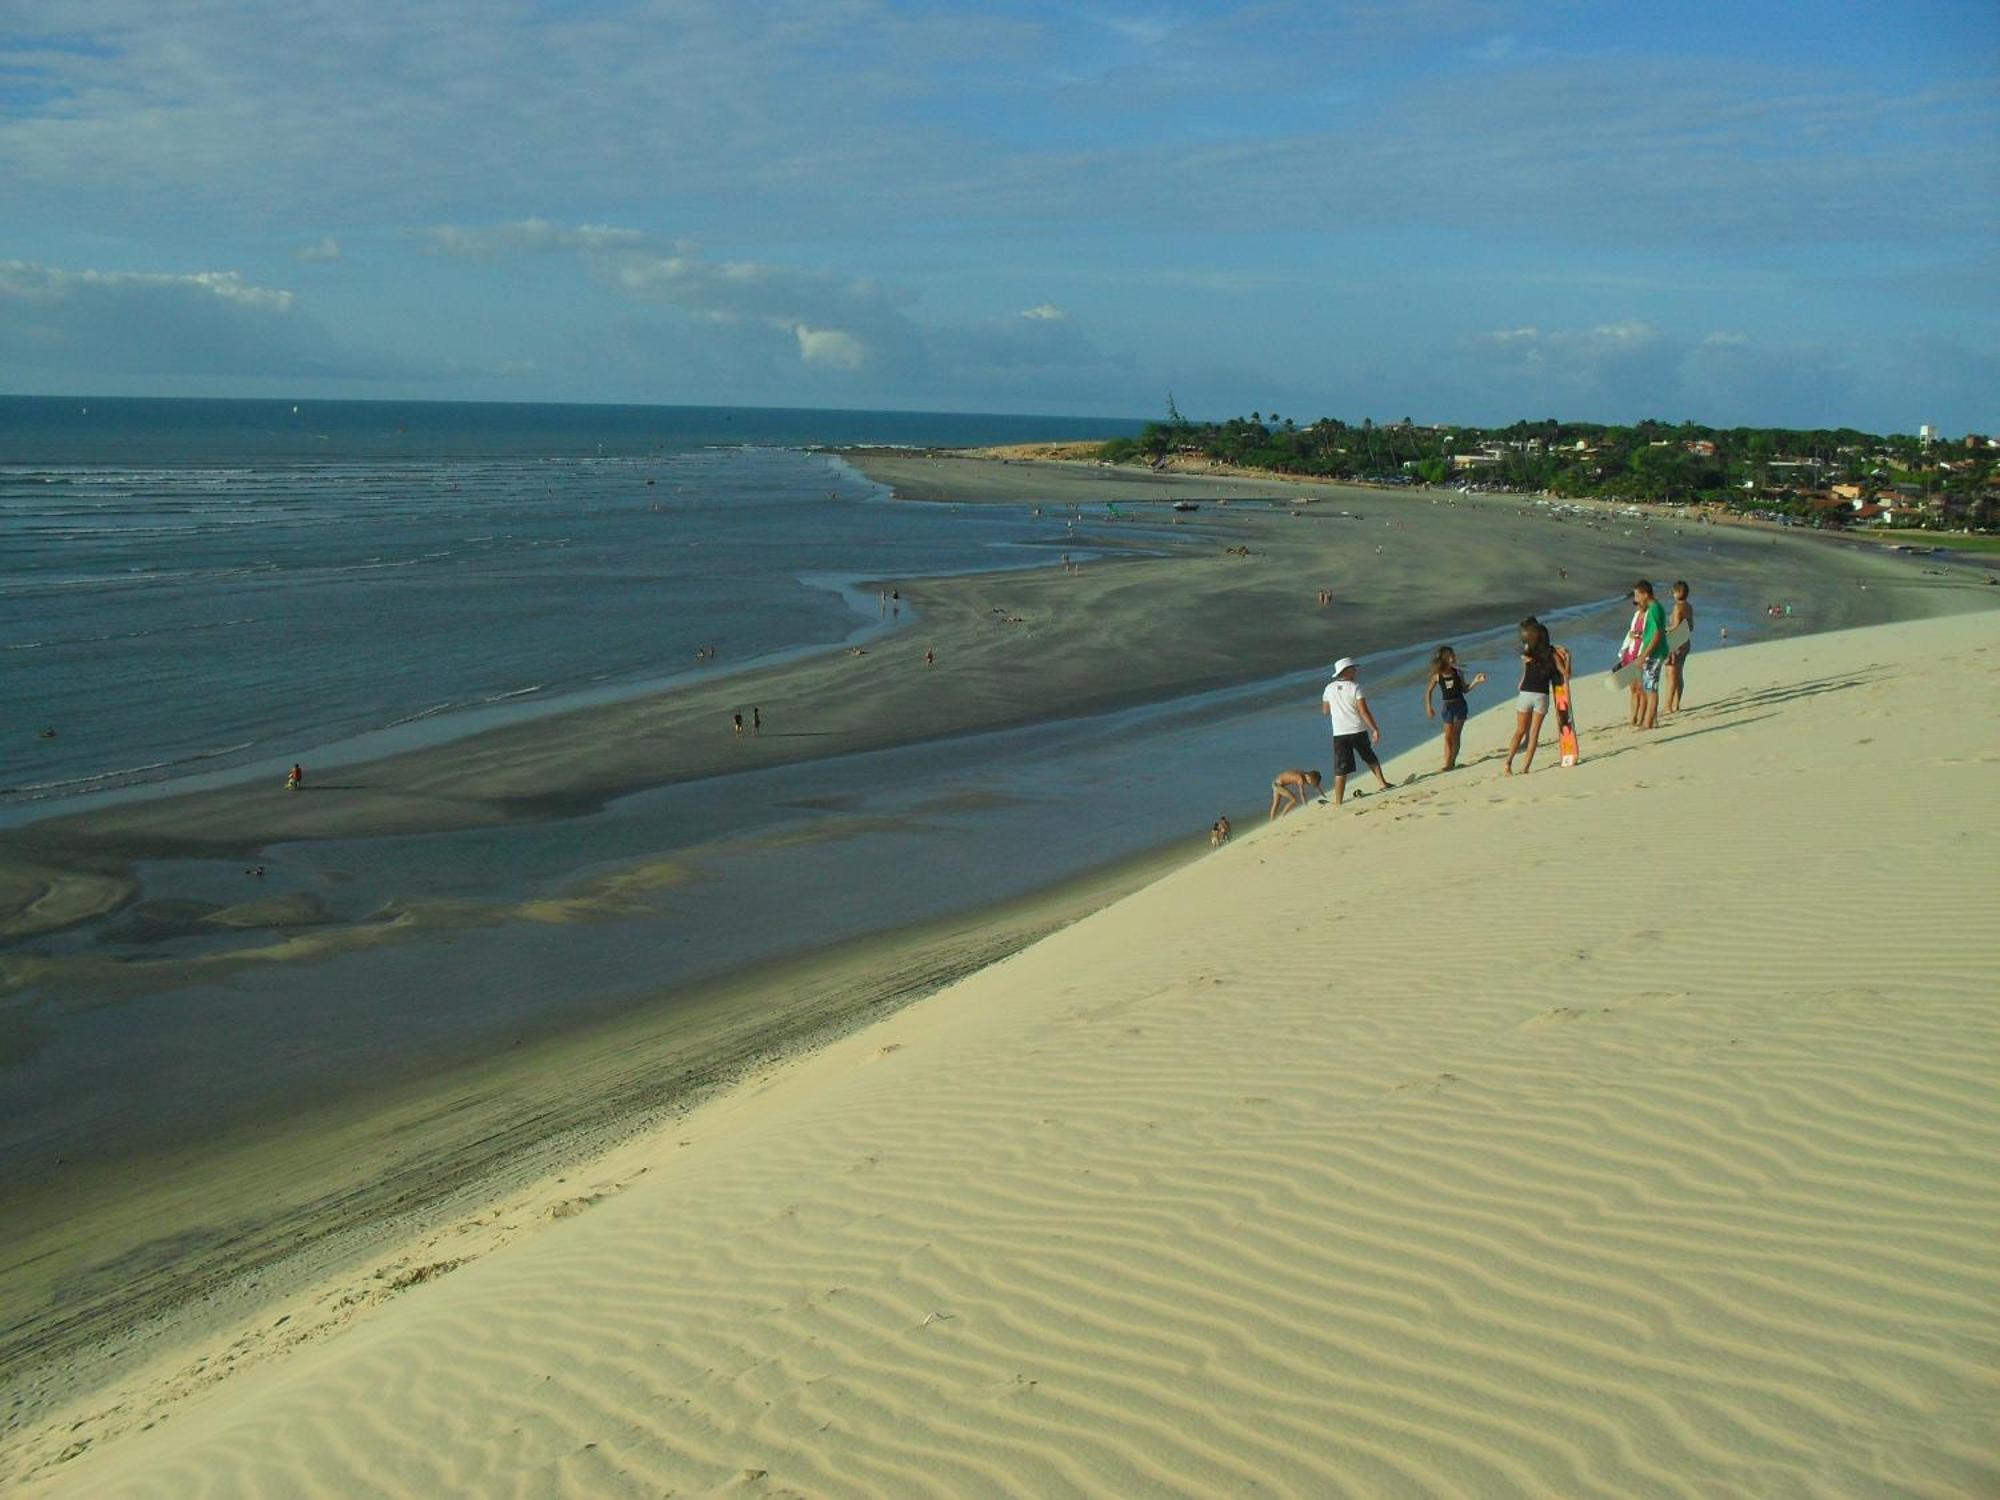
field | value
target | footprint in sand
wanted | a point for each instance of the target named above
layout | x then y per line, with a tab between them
1437	1083
1563	1015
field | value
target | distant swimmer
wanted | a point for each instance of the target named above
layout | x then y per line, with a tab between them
1290	789
47	734
255	870
930	657
296	779
756	720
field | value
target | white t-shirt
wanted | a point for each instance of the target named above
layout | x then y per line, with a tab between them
1343	706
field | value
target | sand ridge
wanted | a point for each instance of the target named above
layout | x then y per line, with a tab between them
1617	1131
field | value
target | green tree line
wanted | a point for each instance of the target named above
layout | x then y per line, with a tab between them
1684	462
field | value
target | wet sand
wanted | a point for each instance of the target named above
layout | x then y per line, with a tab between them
1010	648
90	1257
108	1266
1235	1186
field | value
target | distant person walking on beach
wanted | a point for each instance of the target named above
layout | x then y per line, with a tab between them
296	779
1683	614
1218	832
737	721
1543	665
1289	789
1648	642
756	721
1452	684
1355	732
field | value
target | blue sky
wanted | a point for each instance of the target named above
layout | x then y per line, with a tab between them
1467	210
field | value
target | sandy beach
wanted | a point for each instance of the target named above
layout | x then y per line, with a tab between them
1012	648
141	1256
1617	1130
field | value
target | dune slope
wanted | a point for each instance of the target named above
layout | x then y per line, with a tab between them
1625	1130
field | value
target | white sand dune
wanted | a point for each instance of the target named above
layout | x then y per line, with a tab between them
1620	1131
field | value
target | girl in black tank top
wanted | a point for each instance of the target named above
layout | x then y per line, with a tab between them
1541	669
1447	677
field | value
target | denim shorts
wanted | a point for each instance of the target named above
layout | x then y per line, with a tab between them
1454	710
1531	703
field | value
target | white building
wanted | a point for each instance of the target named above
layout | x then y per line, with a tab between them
1927	434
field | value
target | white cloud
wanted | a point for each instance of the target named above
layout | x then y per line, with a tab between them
203	323
28	282
830	346
1628	369
528	237
326	247
753	325
384	111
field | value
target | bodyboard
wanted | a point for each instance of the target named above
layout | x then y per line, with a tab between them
1565	725
1624	676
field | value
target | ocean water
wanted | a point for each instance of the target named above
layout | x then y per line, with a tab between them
187	584
194	586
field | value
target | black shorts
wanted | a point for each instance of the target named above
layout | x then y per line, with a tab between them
1346	747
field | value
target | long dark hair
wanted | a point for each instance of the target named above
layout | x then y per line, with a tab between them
1437	660
1535	643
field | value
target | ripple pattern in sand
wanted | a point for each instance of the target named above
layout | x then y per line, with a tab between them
1349	1163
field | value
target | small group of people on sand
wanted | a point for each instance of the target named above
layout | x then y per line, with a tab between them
1650	643
1655	641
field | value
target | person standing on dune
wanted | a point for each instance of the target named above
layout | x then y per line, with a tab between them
1649	627
1683	614
1446	678
1355	732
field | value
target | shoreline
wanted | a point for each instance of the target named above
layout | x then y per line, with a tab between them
1155	1175
582	758
109	1278
1148	609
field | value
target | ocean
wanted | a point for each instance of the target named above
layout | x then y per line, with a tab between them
193	587
199	589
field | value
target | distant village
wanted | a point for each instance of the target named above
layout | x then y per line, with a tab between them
1823	478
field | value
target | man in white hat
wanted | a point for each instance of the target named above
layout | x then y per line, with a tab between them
1355	731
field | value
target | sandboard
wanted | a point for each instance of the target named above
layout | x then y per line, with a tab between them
1565	725
1677	637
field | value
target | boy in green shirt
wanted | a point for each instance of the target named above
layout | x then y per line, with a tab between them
1650	627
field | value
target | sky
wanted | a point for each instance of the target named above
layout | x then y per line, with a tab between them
1731	211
